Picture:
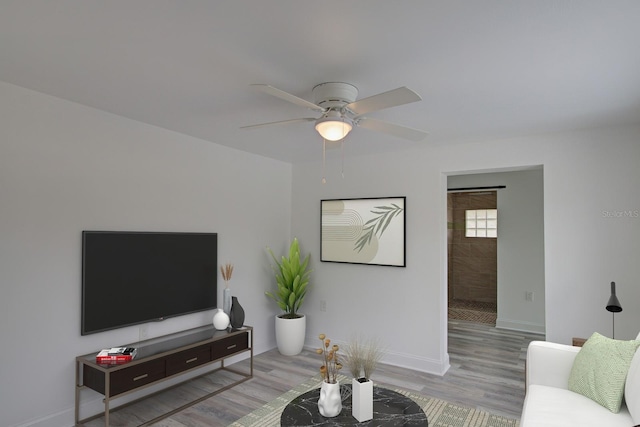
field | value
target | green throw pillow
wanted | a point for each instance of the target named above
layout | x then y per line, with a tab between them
600	370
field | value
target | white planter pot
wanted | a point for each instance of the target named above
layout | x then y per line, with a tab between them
290	334
362	400
330	401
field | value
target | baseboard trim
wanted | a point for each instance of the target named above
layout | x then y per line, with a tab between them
416	363
517	325
409	361
62	418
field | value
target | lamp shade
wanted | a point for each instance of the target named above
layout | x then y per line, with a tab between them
613	305
333	129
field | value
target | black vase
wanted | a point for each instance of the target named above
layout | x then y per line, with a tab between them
236	316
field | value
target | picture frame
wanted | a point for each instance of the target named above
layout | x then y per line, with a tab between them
363	231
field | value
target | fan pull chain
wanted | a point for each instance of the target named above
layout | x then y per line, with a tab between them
324	149
342	146
342	152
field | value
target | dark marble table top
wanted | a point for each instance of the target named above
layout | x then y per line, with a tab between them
389	409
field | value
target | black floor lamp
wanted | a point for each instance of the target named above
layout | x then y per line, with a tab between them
614	307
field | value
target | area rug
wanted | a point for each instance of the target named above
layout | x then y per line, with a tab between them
472	316
473	311
439	412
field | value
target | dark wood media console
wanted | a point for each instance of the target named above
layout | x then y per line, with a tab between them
160	359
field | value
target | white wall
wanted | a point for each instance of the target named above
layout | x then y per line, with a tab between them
585	174
520	244
65	168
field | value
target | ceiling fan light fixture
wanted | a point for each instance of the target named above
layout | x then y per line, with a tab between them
334	128
341	112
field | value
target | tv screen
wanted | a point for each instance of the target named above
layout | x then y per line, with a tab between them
130	278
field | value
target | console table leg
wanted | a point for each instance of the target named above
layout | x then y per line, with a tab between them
77	408
107	387
106	412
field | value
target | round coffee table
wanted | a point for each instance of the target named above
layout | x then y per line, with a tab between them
389	409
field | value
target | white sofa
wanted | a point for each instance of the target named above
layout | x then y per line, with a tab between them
549	403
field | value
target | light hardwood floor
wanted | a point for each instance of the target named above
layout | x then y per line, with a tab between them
487	372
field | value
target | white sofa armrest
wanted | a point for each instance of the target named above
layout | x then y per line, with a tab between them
549	364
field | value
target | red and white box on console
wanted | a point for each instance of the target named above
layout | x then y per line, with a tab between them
116	355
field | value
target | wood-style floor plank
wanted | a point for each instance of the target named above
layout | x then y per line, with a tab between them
487	372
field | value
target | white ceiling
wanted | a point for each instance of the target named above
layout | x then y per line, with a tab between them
485	69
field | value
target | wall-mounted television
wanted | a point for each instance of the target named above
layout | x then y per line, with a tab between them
130	278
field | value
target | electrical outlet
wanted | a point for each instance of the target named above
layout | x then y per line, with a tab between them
144	332
323	305
528	296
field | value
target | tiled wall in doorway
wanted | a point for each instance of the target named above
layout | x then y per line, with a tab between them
472	260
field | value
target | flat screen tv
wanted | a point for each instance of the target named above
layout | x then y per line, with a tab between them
130	278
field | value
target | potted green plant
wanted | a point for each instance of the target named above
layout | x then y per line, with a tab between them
292	278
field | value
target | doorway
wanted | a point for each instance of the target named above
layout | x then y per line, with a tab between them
472	256
520	281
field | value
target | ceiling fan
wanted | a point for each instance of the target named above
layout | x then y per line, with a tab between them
340	112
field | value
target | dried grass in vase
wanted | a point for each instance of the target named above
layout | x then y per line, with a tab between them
227	271
362	357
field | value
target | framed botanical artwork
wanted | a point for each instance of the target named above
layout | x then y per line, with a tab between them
363	231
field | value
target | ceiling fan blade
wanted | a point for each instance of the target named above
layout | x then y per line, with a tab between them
392	98
287	96
392	129
282	122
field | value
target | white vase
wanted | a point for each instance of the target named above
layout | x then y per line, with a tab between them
362	400
290	334
220	320
330	401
